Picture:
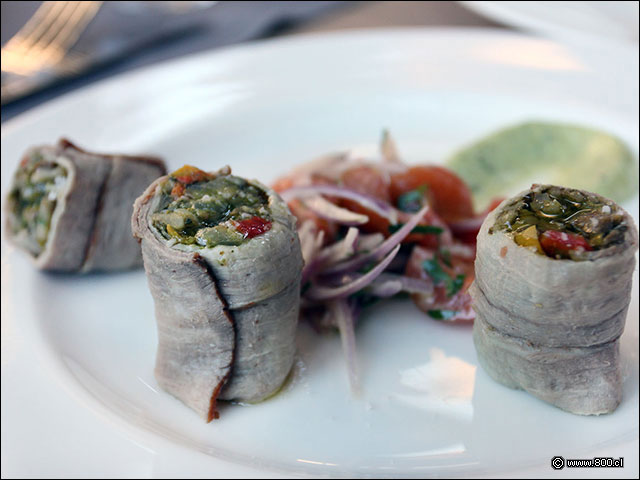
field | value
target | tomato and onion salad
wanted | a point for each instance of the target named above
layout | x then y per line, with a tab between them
391	229
434	189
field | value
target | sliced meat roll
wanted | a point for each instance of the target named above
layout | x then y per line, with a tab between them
70	209
223	262
552	288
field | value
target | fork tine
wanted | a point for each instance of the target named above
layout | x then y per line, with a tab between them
53	46
63	17
18	54
35	26
46	43
81	17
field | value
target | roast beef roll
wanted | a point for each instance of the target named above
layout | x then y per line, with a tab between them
70	209
553	281
223	262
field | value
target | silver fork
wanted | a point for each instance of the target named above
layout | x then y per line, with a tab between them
41	51
45	40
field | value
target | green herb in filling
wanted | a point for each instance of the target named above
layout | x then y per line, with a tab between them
207	210
549	208
33	200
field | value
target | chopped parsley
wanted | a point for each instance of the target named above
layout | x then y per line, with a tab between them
440	277
433	268
442	314
412	201
455	285
445	256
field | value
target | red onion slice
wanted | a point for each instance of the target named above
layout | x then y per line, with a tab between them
377	206
345	320
368	242
329	211
394	240
332	254
310	240
467	226
388	285
341	249
323	292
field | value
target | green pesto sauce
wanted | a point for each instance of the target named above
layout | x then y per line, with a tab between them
599	221
206	212
511	159
33	199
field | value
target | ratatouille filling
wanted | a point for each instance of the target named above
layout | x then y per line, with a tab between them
562	222
33	199
205	209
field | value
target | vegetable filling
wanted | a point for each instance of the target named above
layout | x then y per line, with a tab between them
199	208
562	222
33	199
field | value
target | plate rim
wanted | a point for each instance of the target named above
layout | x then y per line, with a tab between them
498	12
29	116
59	101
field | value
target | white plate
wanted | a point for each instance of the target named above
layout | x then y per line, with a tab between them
78	393
589	20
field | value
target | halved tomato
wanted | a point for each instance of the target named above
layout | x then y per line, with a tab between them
368	180
282	184
448	194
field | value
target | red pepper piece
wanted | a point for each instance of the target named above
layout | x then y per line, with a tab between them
189	174
252	227
556	243
178	190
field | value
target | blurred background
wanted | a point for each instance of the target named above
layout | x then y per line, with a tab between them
50	48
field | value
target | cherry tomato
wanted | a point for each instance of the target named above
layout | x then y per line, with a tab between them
448	194
282	184
372	182
556	243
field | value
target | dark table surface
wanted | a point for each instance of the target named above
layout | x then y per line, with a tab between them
127	37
